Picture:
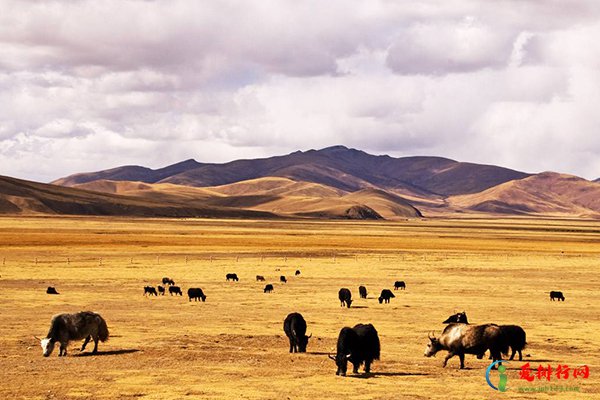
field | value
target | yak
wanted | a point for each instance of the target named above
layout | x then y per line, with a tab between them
67	327
345	297
168	281
297	272
294	327
196	293
260	278
150	290
399	285
51	290
557	295
358	345
363	292
282	279
161	290
461	339
175	290
386	295
268	288
515	335
232	277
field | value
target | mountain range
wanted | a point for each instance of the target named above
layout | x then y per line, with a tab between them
335	182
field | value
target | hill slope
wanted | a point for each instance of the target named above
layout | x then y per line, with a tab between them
337	167
547	193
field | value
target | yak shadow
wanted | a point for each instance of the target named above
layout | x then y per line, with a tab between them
317	353
377	374
107	353
358	307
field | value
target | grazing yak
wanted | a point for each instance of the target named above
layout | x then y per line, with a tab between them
557	295
461	339
294	327
399	285
51	290
297	272
175	290
515	336
232	277
67	327
260	278
357	345
363	292
150	290
168	281
345	297
282	279
161	290
196	293
386	295
268	288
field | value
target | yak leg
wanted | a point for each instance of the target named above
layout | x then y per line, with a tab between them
85	342
449	356
63	350
513	354
95	345
292	346
462	360
355	367
520	356
368	366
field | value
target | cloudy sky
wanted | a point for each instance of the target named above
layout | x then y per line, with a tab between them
88	85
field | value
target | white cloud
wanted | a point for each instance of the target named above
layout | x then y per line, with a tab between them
87	85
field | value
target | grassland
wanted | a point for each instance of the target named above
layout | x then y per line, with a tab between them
233	345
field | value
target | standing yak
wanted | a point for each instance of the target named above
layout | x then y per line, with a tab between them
357	345
386	295
294	327
363	292
345	297
196	293
66	327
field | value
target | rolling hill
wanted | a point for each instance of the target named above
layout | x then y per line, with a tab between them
337	167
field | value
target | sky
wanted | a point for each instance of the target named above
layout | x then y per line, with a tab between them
90	85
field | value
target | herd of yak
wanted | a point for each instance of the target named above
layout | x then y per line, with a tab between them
358	345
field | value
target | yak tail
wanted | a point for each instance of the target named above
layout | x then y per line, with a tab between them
102	330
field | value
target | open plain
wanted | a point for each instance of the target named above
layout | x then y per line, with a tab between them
233	345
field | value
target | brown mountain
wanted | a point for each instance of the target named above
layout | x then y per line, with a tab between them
337	167
24	197
548	193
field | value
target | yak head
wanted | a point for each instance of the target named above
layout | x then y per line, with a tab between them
47	345
303	342
432	347
341	360
349	302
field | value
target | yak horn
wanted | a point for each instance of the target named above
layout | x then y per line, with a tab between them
330	356
310	335
37	338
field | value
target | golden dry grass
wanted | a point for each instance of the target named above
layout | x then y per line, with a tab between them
233	345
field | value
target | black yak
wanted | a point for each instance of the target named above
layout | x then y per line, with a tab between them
363	292
168	281
282	279
51	290
461	339
557	295
232	277
196	293
260	278
161	290
458	318
268	288
357	345
294	327
345	297
150	290
386	295
175	290
297	272
66	327
399	285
